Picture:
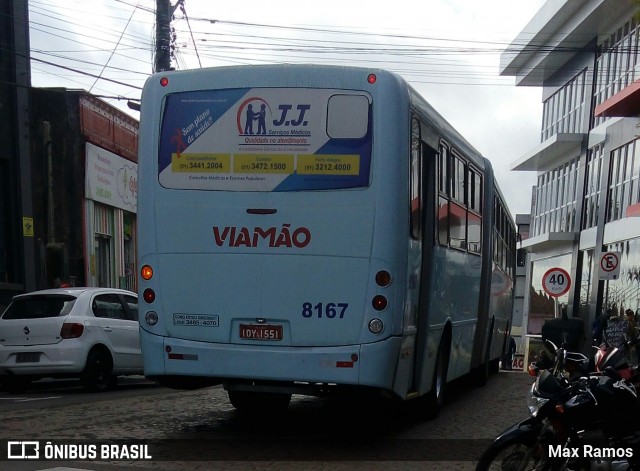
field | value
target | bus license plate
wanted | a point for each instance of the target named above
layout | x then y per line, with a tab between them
28	357
260	332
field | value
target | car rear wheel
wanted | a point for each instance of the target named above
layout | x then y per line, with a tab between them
14	384
98	372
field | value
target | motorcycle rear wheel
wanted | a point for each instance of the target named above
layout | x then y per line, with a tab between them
517	454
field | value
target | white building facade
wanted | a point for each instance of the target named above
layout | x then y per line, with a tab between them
585	206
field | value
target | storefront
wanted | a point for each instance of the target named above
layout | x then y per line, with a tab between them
110	223
543	303
617	269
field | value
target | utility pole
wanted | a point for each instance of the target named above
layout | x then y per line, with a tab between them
163	36
164	13
19	41
51	215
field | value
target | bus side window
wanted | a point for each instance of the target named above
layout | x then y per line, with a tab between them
415	181
443	192
457	205
474	219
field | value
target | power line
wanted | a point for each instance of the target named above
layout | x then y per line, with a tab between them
184	12
238	47
59	56
85	73
114	49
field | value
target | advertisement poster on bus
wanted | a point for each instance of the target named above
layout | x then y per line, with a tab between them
266	139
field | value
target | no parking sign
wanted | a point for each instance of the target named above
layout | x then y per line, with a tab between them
610	266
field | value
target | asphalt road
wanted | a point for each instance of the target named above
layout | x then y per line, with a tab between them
200	430
49	393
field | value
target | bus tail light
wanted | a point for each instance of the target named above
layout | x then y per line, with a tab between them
149	295
164	81
151	318
372	78
383	278
146	272
71	330
379	303
376	326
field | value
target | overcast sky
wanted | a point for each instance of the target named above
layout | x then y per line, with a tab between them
449	50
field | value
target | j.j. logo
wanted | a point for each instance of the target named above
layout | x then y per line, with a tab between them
254	113
252	117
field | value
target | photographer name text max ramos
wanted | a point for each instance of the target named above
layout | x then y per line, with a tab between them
589	451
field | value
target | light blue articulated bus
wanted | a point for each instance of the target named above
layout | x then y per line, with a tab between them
310	229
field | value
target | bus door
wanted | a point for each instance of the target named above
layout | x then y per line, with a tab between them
426	236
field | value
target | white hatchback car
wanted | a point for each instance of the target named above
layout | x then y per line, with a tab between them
90	333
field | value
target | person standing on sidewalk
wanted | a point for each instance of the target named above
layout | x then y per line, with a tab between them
632	335
507	362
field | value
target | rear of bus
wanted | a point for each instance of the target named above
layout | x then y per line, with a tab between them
271	223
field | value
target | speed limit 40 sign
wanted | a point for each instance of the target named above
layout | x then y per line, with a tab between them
556	282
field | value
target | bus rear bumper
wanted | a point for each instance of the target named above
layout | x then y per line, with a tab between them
372	365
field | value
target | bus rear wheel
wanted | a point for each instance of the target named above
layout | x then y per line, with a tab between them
259	402
430	404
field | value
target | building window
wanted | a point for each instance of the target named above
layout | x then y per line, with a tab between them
541	305
555	199
623	180
624	292
616	62
103	260
585	282
564	110
592	187
129	233
103	248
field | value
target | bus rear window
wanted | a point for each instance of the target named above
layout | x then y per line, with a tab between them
347	117
266	139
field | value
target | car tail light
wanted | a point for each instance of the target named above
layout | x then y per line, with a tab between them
71	330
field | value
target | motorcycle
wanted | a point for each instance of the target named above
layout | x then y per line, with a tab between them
576	422
562	362
617	358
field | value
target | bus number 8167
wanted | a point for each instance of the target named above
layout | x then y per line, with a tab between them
329	310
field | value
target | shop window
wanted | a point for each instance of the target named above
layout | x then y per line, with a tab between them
103	260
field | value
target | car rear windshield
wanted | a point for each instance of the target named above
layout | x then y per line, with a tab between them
39	307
